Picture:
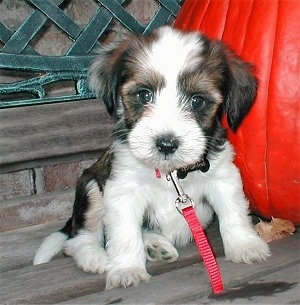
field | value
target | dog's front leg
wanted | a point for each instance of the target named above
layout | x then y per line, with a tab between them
125	247
241	242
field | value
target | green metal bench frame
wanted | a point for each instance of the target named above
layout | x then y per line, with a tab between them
18	55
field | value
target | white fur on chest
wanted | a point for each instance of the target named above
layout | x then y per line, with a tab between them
134	189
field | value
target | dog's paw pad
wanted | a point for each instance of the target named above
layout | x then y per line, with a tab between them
126	277
162	252
159	248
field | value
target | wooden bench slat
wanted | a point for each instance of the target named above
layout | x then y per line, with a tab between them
46	131
18	246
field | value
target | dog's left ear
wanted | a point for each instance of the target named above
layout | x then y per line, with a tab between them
241	90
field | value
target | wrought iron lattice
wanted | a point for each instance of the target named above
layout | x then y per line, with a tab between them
36	71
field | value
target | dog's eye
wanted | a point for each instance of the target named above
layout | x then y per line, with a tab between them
197	102
145	96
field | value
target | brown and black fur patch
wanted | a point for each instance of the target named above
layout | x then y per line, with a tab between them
98	172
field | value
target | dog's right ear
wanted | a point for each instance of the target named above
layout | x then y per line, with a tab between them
104	74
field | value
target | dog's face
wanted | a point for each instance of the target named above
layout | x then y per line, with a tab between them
168	91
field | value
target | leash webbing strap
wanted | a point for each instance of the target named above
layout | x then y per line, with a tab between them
204	249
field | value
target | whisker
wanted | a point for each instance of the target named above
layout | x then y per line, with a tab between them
118	132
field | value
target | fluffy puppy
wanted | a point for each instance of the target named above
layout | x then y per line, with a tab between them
167	92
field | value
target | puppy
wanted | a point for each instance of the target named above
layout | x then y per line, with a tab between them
167	92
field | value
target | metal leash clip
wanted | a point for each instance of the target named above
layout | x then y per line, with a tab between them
183	200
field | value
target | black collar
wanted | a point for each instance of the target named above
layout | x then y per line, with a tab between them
202	165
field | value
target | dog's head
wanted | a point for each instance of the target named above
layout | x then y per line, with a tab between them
168	91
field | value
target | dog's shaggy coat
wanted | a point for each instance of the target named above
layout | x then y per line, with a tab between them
168	92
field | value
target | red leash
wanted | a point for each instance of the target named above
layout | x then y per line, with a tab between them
185	206
204	249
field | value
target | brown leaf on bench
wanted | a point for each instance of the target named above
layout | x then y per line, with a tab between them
275	229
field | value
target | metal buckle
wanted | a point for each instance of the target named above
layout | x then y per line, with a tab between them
183	200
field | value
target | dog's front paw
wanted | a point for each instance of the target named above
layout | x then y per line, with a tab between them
126	277
246	250
158	248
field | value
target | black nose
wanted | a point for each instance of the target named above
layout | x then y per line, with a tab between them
167	144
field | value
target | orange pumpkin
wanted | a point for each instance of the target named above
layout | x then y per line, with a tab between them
267	34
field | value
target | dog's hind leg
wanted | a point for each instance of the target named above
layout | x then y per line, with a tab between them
159	248
82	236
87	247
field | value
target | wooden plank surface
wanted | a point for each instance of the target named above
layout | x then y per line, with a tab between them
181	282
45	131
280	287
190	285
18	246
56	280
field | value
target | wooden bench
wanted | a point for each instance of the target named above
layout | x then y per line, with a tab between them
275	281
